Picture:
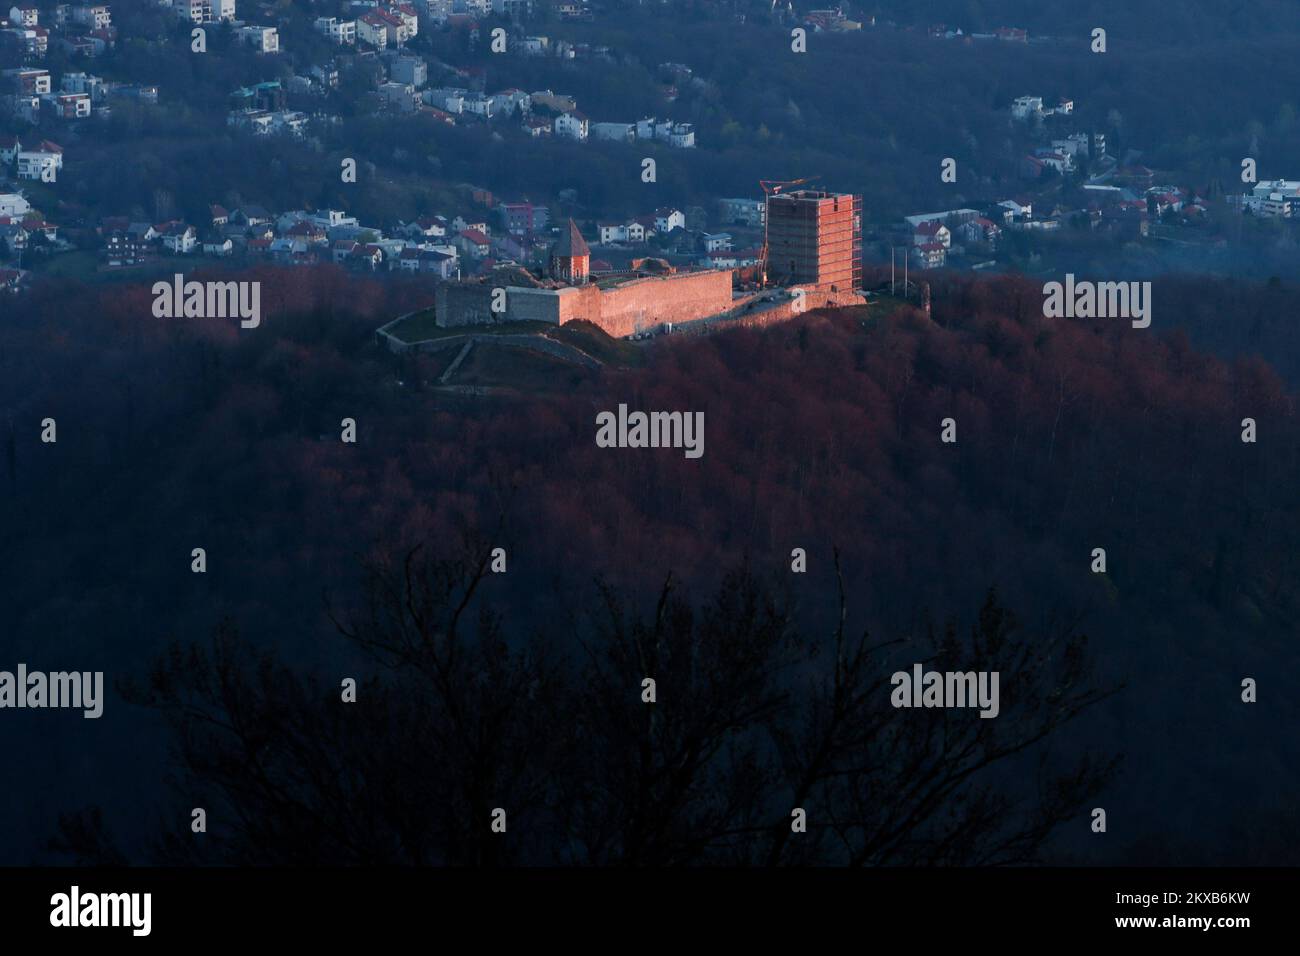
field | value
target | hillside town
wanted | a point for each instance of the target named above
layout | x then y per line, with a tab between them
60	88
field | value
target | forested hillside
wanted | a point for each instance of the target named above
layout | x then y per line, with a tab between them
819	434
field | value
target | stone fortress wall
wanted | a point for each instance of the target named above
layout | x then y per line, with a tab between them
631	306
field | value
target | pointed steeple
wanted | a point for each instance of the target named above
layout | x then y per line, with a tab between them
570	258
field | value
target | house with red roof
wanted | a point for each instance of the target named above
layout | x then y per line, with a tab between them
929	255
473	242
369	256
308	232
41	162
932	231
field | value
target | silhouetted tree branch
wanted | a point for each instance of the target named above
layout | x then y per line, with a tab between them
751	719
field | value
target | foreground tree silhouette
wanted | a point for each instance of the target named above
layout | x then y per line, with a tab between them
752	718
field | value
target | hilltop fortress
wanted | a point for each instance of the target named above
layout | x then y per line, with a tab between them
621	304
815	255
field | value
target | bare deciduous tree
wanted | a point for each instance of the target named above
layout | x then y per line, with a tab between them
751	718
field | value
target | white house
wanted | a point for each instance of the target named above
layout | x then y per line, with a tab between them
719	260
400	96
478	104
473	243
405	14
25	106
395	29
449	100
96	16
979	231
67	105
372	29
929	255
34	41
1273	199
40	162
618	132
460	223
573	125
24	16
667	219
332	218
513	98
502	103
1027	107
409	260
92	86
261	39
14	205
932	231
1061	162
204	11
1015	209
680	136
611	232
440	261
439	11
341	32
179	238
717	241
29	81
1075	145
408	69
196	11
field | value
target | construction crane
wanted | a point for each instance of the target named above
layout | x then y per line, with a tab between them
773	187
